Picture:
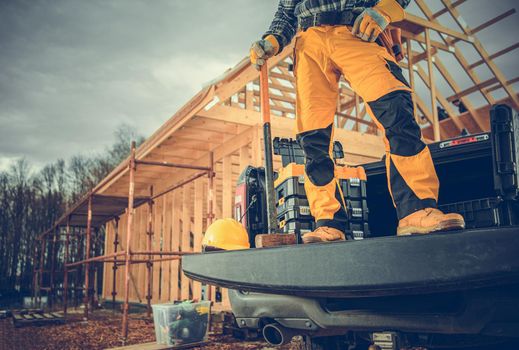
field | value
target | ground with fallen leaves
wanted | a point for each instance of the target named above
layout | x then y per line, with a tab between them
100	332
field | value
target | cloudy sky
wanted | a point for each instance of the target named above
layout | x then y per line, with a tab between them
71	71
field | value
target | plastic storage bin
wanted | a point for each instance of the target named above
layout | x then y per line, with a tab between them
182	323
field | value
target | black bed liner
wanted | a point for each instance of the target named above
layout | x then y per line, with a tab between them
374	267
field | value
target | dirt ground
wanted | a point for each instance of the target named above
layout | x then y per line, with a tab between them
101	332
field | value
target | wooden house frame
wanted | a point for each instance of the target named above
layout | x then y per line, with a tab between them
155	206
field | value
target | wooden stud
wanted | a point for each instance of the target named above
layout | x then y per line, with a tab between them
244	158
127	255
410	65
198	227
176	229
435	122
87	256
186	237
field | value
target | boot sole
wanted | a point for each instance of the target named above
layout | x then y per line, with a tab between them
446	225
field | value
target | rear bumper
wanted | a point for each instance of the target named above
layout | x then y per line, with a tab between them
486	312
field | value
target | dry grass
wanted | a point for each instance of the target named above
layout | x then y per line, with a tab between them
100	332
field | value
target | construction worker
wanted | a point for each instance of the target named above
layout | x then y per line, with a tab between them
334	38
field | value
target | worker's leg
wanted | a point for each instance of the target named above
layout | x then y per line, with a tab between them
317	92
375	76
412	178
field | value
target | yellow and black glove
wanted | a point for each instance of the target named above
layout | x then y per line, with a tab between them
262	50
373	20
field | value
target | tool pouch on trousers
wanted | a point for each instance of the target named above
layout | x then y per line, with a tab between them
391	39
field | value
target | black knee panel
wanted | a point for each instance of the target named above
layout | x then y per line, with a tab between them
395	112
316	145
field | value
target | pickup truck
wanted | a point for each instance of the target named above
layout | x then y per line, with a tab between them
443	290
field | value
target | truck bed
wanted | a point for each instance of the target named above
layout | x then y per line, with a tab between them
382	266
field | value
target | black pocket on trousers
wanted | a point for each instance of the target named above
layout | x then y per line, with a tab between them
397	72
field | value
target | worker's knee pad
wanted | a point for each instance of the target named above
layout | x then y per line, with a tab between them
319	166
395	112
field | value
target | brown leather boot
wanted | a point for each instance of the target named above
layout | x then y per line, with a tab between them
323	234
429	220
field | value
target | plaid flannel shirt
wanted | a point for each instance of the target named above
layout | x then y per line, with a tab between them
284	25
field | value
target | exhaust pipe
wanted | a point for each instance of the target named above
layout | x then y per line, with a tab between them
276	335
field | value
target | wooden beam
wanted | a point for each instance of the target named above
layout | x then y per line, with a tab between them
484	110
410	66
166	246
479	87
455	87
444	10
434	25
228	192
227	204
432	86
456	51
495	55
198	226
483	53
244	157
185	238
490	22
441	99
176	229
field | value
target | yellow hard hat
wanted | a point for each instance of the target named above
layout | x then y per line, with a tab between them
227	234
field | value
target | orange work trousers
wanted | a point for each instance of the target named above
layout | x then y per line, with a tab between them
322	55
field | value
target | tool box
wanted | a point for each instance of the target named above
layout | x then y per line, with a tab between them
352	181
498	185
357	209
293	210
291	152
290	182
358	230
479	212
285	203
301	227
472	169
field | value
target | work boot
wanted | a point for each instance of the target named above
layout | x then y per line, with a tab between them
323	234
429	220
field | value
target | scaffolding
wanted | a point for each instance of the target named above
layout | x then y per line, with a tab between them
110	208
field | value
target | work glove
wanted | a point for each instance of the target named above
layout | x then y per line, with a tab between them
262	50
373	20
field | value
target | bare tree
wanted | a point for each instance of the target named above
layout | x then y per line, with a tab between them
30	202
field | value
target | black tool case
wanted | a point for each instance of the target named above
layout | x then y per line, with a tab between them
291	187
291	152
470	169
353	188
291	194
299	227
486	212
285	203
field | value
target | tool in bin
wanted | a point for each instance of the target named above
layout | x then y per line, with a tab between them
273	237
